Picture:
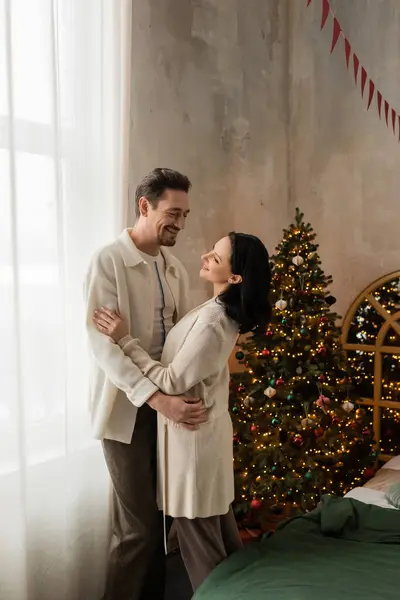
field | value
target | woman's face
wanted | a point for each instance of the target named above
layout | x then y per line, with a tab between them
217	263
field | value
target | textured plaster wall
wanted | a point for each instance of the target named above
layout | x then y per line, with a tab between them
210	97
244	97
344	163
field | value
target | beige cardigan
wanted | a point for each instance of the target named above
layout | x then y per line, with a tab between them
120	279
195	467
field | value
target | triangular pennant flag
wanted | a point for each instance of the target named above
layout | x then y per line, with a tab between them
336	33
356	64
379	102
371	93
394	119
363	80
387	112
325	12
347	49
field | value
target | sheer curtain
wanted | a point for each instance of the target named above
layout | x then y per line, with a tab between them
64	124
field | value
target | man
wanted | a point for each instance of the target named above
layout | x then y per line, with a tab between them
149	287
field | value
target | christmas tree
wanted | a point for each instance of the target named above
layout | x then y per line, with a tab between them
297	431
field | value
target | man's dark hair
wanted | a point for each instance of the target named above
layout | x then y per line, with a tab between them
156	182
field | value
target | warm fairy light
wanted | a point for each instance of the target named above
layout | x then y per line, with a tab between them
366	324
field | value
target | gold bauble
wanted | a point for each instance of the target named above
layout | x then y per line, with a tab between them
360	414
248	401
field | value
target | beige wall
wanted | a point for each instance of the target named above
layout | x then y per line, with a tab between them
245	98
345	164
209	97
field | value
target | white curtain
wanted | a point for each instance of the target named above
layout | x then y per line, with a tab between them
64	88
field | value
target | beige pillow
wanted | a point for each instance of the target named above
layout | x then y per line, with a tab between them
393	463
383	479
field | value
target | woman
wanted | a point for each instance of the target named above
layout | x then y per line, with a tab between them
196	484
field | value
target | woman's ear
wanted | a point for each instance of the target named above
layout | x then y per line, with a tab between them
235	279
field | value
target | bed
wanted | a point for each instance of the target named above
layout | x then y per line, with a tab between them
346	548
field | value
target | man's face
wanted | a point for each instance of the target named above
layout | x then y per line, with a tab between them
168	218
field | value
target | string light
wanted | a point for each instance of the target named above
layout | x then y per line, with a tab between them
365	326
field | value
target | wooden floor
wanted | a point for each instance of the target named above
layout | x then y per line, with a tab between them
178	584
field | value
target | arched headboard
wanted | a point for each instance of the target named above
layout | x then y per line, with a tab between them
371	340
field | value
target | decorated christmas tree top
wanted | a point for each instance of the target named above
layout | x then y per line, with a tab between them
297	434
301	349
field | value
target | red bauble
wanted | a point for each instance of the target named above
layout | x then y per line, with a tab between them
322	351
318	432
298	440
322	378
366	431
255	504
324	319
368	473
241	389
235	439
279	381
269	333
335	420
354	425
253	428
266	352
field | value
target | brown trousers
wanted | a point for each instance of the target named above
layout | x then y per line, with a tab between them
136	569
204	543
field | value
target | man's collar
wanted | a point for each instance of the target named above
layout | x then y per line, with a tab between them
132	257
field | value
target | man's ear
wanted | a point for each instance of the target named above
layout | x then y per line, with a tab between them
144	206
235	279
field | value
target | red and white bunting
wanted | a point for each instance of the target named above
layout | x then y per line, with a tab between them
373	92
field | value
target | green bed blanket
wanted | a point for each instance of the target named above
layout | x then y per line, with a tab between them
343	550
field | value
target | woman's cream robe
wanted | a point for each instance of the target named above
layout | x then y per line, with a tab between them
195	467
